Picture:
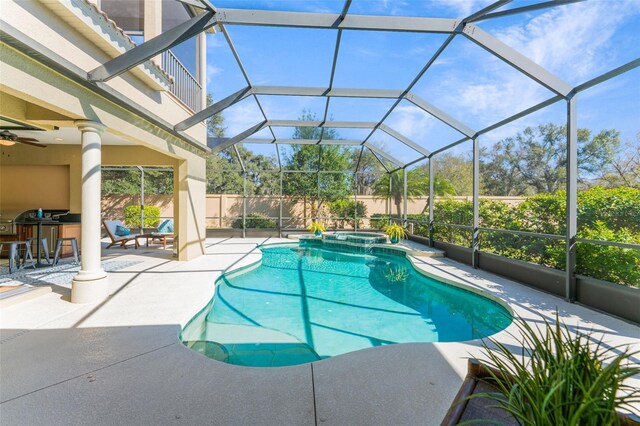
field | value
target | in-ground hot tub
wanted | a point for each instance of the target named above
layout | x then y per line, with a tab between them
361	242
355	237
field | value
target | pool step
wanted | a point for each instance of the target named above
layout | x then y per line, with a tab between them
240	334
252	346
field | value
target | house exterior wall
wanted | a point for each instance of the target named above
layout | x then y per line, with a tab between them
31	92
76	32
187	205
25	187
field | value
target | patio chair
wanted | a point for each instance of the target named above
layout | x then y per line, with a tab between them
110	226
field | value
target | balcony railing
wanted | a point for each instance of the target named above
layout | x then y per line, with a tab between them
184	86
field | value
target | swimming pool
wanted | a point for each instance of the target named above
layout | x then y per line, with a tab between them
303	304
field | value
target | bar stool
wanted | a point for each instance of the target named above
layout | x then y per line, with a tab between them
14	254
60	242
45	247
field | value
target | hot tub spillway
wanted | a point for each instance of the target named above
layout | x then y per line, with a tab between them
356	237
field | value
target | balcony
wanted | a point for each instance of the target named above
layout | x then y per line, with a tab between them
184	85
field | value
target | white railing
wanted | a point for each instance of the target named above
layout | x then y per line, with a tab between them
184	85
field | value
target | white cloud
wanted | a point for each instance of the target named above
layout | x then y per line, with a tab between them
571	41
574	42
464	8
493	101
215	42
212	71
411	121
241	116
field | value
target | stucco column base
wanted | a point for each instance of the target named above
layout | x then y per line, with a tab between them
90	287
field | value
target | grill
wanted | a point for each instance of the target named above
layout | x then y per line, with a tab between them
7	227
7	222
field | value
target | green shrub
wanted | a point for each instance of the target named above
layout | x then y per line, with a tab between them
454	212
498	215
616	207
132	216
379	220
543	213
603	214
342	213
255	221
615	264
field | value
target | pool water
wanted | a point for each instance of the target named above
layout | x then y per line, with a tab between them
303	304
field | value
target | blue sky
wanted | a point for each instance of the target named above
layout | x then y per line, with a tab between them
576	42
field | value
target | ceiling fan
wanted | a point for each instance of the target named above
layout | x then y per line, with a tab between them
8	139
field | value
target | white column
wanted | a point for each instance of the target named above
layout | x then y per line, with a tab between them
153	23
202	67
91	283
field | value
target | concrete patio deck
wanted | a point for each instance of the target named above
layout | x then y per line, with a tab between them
120	361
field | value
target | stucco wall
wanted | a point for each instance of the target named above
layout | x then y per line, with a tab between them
24	187
222	209
72	29
29	81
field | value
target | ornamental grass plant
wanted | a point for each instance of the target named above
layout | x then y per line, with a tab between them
561	377
316	227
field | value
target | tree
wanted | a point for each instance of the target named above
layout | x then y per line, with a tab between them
313	187
497	175
224	175
215	124
417	185
535	159
624	169
457	170
224	169
369	171
127	181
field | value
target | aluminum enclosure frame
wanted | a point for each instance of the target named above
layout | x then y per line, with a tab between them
465	27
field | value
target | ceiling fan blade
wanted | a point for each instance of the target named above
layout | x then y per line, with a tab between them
27	140
30	143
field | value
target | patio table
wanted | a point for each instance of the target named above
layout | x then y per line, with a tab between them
155	236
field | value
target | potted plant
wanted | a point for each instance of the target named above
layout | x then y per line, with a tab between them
395	232
316	228
561	378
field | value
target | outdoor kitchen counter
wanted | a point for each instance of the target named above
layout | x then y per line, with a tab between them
70	229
